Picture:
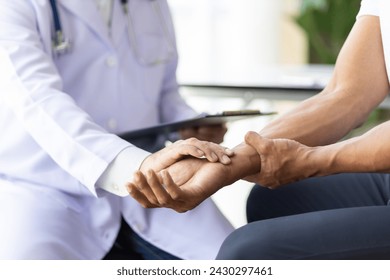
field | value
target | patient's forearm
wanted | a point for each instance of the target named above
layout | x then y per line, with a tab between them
367	153
358	85
316	121
246	161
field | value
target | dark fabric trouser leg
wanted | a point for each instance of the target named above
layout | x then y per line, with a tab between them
336	217
130	246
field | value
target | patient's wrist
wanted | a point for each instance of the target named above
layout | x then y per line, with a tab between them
246	161
319	161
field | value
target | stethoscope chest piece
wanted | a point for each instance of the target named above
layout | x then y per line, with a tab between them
61	45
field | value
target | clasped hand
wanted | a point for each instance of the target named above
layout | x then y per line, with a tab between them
186	173
192	163
282	161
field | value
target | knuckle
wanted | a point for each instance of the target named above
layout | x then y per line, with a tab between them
154	201
192	140
163	201
145	205
175	196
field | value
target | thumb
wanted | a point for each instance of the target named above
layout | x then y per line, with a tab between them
252	138
255	140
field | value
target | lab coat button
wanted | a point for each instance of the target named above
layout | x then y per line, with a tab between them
111	61
112	124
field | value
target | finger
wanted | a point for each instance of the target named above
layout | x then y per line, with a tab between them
196	148
224	154
229	152
143	186
161	194
174	191
213	152
206	147
256	141
139	197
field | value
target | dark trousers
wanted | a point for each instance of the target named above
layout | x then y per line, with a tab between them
345	216
130	246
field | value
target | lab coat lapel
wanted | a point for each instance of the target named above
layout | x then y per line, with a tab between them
119	23
88	12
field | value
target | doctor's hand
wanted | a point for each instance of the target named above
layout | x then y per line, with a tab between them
181	187
186	148
282	161
212	133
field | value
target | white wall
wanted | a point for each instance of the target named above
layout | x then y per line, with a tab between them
234	36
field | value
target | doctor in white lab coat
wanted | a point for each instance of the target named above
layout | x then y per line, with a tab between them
63	170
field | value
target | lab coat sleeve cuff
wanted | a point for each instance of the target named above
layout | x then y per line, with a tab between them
120	171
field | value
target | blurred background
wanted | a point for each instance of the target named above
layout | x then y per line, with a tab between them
238	35
256	54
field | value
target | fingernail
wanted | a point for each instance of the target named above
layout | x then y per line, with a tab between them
200	152
214	156
149	174
225	159
129	187
229	152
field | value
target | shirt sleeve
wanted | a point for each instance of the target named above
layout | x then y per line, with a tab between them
369	7
120	171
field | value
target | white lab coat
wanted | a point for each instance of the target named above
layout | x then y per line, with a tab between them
58	120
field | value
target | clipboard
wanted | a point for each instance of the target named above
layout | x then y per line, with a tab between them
202	119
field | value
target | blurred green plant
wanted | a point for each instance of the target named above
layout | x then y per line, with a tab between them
327	24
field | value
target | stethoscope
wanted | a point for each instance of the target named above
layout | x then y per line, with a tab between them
62	44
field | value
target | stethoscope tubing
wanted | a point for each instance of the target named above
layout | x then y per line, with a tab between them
56	16
62	45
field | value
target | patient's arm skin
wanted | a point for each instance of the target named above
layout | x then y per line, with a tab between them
285	161
358	85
